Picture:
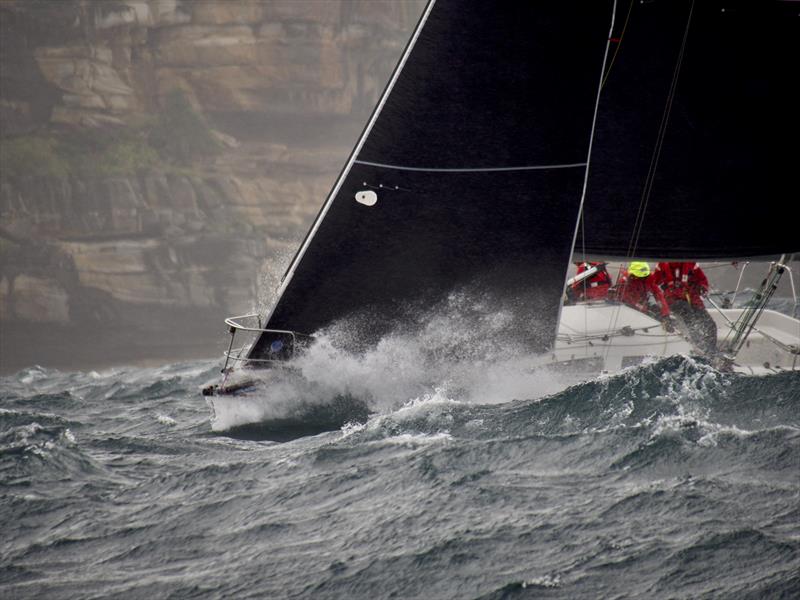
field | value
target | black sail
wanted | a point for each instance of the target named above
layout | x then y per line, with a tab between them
718	178
468	177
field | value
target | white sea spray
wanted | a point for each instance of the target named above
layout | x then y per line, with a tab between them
166	420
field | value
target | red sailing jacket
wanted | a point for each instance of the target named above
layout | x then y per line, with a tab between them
634	291
682	281
595	287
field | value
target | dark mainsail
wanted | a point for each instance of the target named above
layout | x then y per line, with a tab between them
698	126
468	177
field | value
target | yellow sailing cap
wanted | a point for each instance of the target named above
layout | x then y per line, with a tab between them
639	269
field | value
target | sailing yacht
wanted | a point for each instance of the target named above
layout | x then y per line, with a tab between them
513	136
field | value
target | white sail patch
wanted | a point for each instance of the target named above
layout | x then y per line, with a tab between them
367	197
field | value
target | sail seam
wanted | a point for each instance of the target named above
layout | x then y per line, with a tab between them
472	170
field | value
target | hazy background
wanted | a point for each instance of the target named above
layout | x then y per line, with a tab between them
160	161
156	154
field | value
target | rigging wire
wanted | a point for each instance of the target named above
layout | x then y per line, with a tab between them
662	131
653	167
739	282
618	41
588	163
619	44
786	347
791	285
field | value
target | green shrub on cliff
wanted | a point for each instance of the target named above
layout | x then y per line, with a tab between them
128	157
86	153
112	152
181	135
33	155
175	138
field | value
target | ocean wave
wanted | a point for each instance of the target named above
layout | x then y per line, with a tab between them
749	549
647	483
41	453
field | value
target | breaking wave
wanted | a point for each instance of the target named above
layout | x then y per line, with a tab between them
466	351
647	483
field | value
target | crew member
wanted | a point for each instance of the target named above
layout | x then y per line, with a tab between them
684	285
635	288
594	287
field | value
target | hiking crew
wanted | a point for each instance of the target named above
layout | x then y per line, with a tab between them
635	288
684	285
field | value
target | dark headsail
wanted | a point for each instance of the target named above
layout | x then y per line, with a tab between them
468	176
698	127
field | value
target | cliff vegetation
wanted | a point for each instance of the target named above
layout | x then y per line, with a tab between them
156	156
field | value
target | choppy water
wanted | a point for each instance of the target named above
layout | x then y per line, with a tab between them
669	480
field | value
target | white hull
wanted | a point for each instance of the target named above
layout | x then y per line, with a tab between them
760	353
601	337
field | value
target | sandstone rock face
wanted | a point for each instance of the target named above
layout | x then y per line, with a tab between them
115	60
35	299
123	256
93	91
160	239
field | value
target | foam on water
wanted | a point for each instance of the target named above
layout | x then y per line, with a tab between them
166	420
546	581
471	359
648	483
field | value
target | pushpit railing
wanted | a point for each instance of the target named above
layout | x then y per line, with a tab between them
252	324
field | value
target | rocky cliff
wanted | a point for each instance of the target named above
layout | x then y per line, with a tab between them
157	154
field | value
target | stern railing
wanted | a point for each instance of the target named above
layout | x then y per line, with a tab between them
251	323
